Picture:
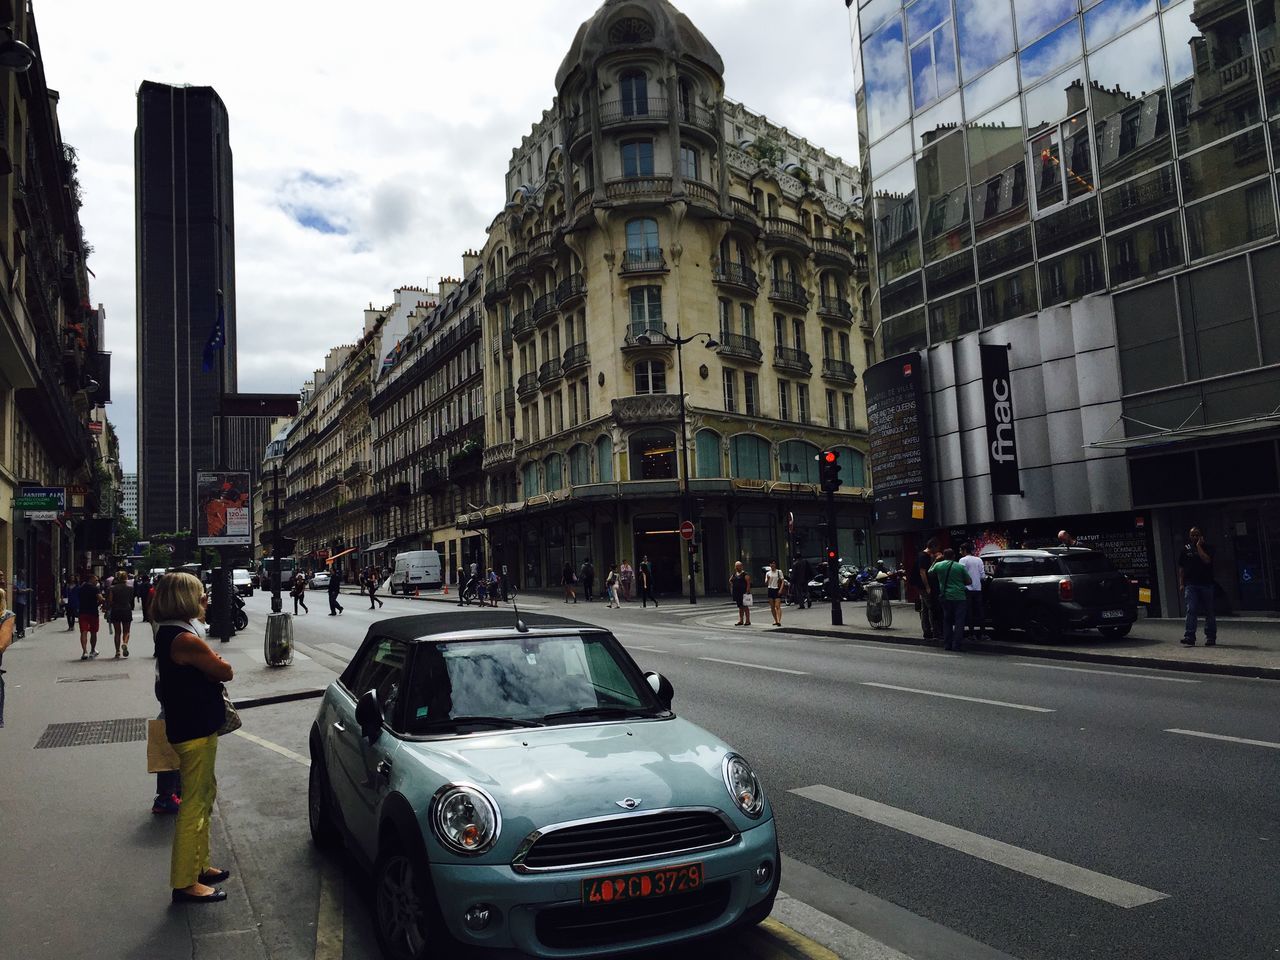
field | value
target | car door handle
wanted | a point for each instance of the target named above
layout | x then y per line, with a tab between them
337	725
384	768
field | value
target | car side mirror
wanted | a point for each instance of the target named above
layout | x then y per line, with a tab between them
661	686
369	715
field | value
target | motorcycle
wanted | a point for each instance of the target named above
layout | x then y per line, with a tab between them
239	619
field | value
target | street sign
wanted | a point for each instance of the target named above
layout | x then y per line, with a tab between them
686	529
43	499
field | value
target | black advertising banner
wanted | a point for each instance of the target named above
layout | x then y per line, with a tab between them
899	470
997	398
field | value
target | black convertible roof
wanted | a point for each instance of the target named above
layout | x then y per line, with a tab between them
424	626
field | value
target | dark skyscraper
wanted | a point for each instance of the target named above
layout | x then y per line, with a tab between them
185	255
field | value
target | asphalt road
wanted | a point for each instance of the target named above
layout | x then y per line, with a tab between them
1045	810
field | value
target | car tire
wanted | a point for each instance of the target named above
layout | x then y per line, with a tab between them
324	831
406	917
1043	627
1115	633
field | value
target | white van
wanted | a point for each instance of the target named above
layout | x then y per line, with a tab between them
417	570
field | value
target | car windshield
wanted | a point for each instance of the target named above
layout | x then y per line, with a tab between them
1087	563
526	680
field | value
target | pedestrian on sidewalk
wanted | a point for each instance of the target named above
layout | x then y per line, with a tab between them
740	589
611	587
120	612
626	579
70	602
588	576
951	578
89	601
975	616
801	574
191	692
371	587
8	624
335	587
646	582
773	581
299	594
21	604
569	578
928	605
1195	580
495	586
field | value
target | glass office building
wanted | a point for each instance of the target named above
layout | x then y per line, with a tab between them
1094	184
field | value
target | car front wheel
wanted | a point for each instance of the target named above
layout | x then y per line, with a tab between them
406	920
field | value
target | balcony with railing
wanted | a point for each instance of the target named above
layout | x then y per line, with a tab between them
833	250
523	325
518	264
495	288
571	290
499	454
527	385
841	370
703	193
789	292
644	260
744	211
638	111
356	468
654	332
737	275
550	373
544	308
509	398
784	231
576	357
540	247
835	308
696	116
638	188
790	360
507	336
740	347
646	409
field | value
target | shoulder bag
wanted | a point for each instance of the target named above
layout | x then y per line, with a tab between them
230	715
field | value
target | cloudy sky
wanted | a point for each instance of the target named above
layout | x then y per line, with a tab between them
370	140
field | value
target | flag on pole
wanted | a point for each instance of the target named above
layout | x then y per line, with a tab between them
217	340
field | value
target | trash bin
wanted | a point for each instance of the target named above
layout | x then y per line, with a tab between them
879	608
278	647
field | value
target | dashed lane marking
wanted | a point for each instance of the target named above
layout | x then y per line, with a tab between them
754	666
1105	673
1111	890
1219	736
274	747
636	646
956	696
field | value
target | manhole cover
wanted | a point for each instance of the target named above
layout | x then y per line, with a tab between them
98	676
92	732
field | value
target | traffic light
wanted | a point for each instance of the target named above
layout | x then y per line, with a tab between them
829	470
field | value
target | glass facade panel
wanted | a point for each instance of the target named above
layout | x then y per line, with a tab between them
1055	99
1218	330
1046	56
903	295
1244	215
894	208
893	149
1130	109
997	172
985	92
1038	17
1147	337
1071	275
1140	198
944	198
984	29
953	317
904	333
1111	17
933	51
1146	250
937	121
1009	296
884	61
1004	253
1066	228
950	275
1216	168
877	12
1266	288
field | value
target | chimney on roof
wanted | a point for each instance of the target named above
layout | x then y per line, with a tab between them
470	260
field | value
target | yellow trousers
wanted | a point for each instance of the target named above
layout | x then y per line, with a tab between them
191	831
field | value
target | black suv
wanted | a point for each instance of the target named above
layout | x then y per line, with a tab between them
1049	591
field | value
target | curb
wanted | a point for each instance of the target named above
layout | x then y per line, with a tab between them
274	698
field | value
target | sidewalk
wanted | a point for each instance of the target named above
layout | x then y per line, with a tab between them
88	862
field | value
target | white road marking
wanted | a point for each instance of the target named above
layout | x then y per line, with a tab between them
754	666
1106	673
1111	890
636	646
1218	736
956	696
329	924
275	747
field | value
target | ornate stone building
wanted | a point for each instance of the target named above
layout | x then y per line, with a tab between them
644	206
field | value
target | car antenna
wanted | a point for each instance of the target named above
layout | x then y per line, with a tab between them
521	626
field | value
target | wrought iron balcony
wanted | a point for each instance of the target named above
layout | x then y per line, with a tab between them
738	275
741	347
745	211
523	324
644	260
788	291
571	290
839	370
655	330
646	409
355	468
693	115
495	288
833	250
509	398
639	111
835	308
792	361
576	357
860	267
527	386
518	264
782	230
550	373
540	246
544	307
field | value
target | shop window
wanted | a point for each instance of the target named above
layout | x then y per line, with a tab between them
749	458
653	456
797	462
710	461
604	460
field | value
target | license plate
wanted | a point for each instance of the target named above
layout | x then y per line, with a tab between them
643	885
1112	614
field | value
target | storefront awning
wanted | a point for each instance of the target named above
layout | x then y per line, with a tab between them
380	545
1159	436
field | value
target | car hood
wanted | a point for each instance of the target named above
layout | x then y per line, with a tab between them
540	777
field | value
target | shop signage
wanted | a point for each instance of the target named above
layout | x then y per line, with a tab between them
95	426
224	512
899	467
1002	445
42	500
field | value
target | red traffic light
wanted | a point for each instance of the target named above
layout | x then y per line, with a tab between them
830	456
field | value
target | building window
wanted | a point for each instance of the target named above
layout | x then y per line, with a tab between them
802	402
831	409
637	158
710	462
730	391
726	317
784	400
826	344
651	377
604	460
579	465
586	402
642	242
797	462
634	86
748	314
749	458
750	394
779	331
653	456
646	310
847	402
573	405
689	167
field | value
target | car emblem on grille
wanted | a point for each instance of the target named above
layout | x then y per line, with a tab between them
629	803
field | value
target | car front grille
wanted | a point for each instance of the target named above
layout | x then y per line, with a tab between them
595	925
622	839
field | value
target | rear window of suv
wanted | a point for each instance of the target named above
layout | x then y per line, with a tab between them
1087	563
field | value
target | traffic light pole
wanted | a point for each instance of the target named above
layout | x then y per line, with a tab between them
833	561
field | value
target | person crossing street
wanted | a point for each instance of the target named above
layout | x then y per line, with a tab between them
371	587
335	587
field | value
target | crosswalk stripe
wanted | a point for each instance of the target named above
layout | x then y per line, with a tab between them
1108	889
1219	736
956	696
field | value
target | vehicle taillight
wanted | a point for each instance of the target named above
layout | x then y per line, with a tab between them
1064	589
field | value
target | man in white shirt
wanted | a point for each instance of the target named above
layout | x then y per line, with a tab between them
973	590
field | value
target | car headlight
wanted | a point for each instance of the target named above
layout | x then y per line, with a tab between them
465	819
743	786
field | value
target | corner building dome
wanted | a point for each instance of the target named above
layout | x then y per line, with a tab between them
621	25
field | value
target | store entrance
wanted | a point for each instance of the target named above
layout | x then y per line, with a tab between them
658	538
1254	535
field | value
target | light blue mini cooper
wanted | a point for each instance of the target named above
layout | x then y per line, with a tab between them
523	786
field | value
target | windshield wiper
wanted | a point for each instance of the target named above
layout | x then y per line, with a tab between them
599	712
488	721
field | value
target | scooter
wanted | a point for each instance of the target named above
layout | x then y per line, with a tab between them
239	619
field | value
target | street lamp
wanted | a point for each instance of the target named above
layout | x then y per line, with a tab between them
646	339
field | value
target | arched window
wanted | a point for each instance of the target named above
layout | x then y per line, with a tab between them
530	480
749	458
853	467
651	377
797	462
653	455
554	467
642	241
685	89
579	465
634	85
710	462
604	460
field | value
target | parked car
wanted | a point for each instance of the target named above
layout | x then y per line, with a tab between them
1047	592
242	583
319	581
523	785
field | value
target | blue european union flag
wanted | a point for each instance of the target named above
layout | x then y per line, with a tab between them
217	340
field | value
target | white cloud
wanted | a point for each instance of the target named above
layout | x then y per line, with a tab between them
392	123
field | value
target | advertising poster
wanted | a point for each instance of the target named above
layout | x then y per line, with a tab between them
899	471
223	509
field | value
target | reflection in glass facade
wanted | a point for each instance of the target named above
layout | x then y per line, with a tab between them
1025	153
